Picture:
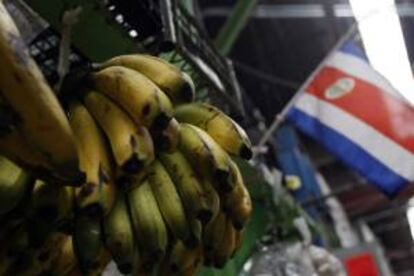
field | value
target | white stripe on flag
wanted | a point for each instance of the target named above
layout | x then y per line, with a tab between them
359	68
391	154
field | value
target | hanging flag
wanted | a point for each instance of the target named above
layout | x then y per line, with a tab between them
360	117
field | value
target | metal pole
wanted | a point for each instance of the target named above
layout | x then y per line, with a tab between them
279	118
234	25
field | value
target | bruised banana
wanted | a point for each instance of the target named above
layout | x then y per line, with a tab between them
206	155
131	143
149	228
14	183
168	200
226	132
181	258
135	93
176	84
87	242
42	119
188	186
237	204
97	194
167	139
118	237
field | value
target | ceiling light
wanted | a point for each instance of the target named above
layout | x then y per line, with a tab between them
381	33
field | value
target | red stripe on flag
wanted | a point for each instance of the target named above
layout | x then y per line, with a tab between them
388	115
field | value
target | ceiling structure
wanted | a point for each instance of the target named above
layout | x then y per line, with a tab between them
277	50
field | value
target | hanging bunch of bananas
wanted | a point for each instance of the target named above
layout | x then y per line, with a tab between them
181	201
136	172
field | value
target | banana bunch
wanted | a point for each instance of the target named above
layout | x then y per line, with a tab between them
178	199
125	167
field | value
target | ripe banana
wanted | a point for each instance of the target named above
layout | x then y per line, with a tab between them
135	93
131	143
87	242
168	200
118	237
66	260
42	119
97	195
168	138
212	237
188	186
14	183
206	155
149	228
176	84
237	203
238	240
225	248
181	258
226	132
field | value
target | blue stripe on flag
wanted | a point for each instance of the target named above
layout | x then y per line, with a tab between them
352	155
353	49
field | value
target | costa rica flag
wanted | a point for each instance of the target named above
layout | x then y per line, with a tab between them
360	117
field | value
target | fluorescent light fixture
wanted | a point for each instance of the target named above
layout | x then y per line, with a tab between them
380	29
410	216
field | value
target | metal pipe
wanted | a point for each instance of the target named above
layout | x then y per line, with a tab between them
234	25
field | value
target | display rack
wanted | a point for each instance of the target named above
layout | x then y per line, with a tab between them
113	27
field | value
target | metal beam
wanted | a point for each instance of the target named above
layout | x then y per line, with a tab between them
234	25
270	11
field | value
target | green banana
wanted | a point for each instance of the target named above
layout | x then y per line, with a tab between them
168	200
87	242
118	236
176	84
14	183
149	229
226	132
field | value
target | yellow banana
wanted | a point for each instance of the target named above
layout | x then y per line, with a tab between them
118	237
177	85
42	119
238	240
237	203
131	143
224	249
206	155
168	138
188	186
97	194
66	260
14	183
168	200
149	228
135	93
212	237
196	232
181	258
87	242
226	132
